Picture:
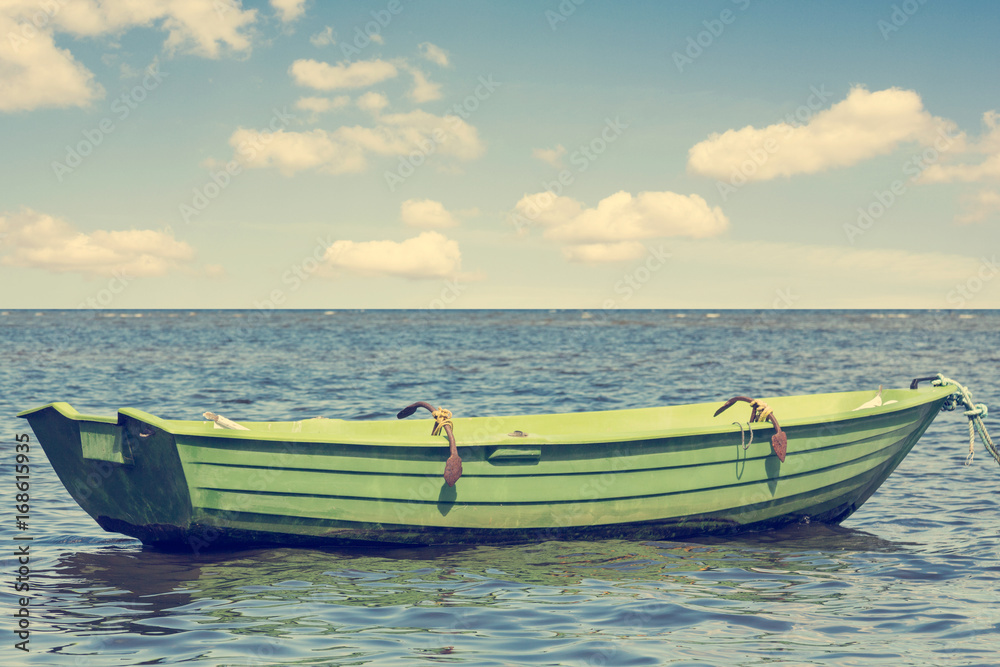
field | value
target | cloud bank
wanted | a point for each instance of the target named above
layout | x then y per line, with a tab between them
610	230
427	256
862	126
36	240
35	73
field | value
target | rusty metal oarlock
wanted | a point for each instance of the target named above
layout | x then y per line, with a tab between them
442	420
759	411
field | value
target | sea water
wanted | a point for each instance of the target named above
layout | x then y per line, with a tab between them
912	578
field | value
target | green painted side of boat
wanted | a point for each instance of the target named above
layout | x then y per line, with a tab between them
650	473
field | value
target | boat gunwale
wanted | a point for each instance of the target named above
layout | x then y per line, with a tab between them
206	429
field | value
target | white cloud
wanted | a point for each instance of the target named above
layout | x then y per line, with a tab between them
979	206
35	73
322	104
426	214
372	102
985	169
289	10
126	71
290	152
324	76
206	30
990	141
434	53
976	161
862	126
429	255
544	208
423	90
346	149
595	253
550	156
622	217
202	28
37	240
324	37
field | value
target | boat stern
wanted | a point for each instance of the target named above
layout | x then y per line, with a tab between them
123	471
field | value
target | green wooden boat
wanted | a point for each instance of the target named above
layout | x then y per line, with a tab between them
651	473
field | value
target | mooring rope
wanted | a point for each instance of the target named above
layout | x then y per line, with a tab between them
442	418
759	411
975	412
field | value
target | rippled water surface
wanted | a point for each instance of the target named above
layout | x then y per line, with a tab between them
912	578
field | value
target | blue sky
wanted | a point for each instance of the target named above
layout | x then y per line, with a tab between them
729	154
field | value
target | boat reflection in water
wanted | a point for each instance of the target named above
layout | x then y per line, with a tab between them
144	592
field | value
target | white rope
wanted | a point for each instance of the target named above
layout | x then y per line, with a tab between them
975	412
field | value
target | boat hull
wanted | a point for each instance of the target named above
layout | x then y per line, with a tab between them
657	473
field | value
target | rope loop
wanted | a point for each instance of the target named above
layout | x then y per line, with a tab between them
442	418
979	409
442	421
746	445
974	412
761	410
